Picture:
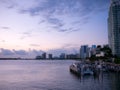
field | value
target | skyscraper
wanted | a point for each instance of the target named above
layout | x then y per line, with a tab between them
44	56
84	51
114	27
50	56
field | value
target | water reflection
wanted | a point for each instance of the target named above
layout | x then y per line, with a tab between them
51	75
105	80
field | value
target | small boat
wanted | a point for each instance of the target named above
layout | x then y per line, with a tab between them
82	69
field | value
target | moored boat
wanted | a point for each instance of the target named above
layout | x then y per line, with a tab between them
82	69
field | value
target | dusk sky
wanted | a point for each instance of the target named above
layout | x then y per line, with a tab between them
29	26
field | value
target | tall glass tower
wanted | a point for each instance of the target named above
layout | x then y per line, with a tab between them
114	27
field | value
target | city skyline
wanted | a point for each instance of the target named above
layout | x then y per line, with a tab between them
52	25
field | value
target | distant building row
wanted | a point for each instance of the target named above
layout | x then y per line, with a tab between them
85	52
44	56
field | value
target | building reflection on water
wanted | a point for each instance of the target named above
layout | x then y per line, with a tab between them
102	79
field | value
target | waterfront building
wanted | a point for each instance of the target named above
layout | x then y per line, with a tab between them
84	51
62	56
101	54
94	46
89	52
98	49
38	57
50	56
93	50
44	56
114	27
72	56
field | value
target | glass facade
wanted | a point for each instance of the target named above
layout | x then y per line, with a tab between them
114	27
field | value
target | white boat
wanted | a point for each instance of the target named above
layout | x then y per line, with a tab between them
82	69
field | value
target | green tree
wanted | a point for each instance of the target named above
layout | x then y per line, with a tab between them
117	60
107	51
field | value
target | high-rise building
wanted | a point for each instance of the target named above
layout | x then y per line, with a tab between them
50	56
44	56
84	51
62	56
93	50
114	27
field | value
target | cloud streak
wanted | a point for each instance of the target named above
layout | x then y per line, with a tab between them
73	7
3	41
6	28
51	23
35	45
26	35
55	12
4	53
20	52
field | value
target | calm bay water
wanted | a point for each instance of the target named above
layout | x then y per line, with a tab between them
51	75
